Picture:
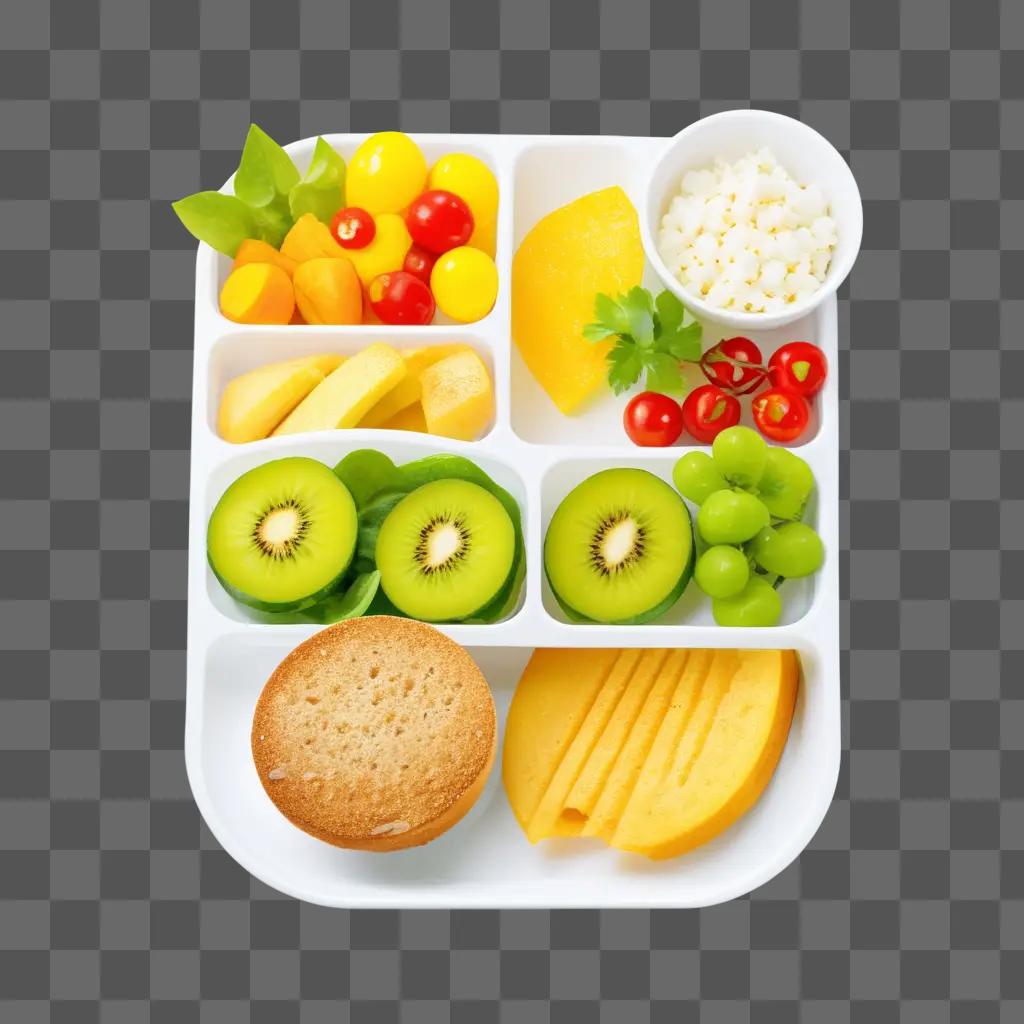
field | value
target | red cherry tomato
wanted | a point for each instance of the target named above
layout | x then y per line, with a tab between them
400	298
780	414
439	221
653	420
708	410
419	262
735	365
800	367
353	227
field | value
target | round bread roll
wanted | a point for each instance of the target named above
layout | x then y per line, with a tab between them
377	733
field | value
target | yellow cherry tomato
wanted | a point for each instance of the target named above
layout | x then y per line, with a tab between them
465	283
473	181
387	250
386	173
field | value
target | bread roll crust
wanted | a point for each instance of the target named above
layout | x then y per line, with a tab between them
377	733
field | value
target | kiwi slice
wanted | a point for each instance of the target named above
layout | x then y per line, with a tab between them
445	551
619	548
282	535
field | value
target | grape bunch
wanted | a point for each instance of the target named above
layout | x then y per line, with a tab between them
751	497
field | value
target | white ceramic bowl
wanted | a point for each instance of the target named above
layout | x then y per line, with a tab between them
807	155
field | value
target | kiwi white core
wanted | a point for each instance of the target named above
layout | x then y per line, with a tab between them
444	541
280	530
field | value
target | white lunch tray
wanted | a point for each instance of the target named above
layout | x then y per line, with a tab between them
539	455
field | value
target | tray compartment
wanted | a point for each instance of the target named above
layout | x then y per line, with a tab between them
239	351
486	859
214	269
693	608
330	447
549	175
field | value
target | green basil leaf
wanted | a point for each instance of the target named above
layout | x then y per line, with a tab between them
366	472
222	222
273	221
371	518
265	171
321	191
349	604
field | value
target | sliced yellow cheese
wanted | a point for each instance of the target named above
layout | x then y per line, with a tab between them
653	751
591	245
343	398
407	391
253	404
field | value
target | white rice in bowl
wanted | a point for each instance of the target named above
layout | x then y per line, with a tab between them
746	236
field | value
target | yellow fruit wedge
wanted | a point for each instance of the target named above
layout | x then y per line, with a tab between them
407	391
589	246
253	404
551	702
310	239
720	777
410	418
654	751
457	396
343	398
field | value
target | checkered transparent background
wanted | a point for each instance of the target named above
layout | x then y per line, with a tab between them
118	905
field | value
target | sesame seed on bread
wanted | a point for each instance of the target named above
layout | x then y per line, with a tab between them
377	733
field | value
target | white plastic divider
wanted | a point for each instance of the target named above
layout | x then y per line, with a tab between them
538	455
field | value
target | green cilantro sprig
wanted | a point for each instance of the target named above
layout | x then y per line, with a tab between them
652	337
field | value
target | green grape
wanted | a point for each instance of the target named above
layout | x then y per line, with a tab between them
786	484
731	517
791	550
696	477
722	571
740	454
757	604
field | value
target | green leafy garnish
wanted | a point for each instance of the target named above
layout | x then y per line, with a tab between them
269	195
321	191
652	337
222	222
265	171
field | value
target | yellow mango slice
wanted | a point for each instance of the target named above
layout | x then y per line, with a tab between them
653	751
256	402
457	396
669	697
343	398
407	391
410	418
555	693
710	785
590	245
310	239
